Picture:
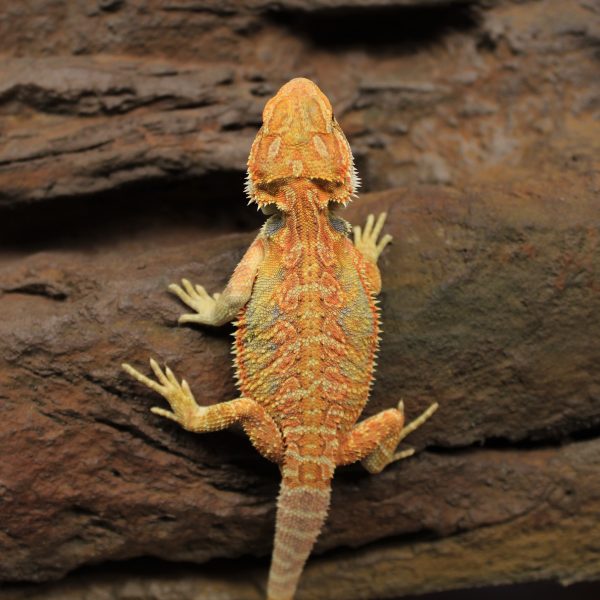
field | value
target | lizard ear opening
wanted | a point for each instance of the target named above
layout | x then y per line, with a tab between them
269	195
269	209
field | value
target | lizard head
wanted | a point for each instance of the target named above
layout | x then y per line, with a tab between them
300	138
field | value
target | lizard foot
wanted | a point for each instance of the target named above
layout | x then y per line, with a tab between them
185	410
365	239
408	429
196	297
375	440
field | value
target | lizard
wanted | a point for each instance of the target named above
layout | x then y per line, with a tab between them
303	300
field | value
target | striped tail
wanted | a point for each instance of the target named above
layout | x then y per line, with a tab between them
301	511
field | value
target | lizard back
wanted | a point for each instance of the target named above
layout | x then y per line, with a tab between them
306	340
305	348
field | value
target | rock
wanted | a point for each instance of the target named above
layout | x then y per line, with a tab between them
123	94
537	537
125	132
490	307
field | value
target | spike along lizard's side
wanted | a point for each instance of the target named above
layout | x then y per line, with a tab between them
307	326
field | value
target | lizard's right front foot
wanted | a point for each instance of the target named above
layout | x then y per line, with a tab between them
199	299
185	410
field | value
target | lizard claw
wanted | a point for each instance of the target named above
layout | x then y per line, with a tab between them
196	297
164	413
184	408
407	429
366	239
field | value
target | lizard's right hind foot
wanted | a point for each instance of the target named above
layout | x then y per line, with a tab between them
386	452
375	440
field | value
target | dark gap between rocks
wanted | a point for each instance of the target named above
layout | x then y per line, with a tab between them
122	570
399	29
253	569
215	203
536	441
45	290
548	590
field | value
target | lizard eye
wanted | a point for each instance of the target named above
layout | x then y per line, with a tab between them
271	187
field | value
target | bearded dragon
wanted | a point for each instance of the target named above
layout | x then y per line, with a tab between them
307	326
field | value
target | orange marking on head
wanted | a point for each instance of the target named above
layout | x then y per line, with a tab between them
299	138
320	146
274	148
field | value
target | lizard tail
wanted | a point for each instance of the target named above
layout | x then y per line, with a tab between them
301	511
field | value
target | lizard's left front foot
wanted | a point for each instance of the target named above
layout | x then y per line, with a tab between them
366	240
185	410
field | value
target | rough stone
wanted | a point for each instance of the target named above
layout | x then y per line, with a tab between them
490	307
125	130
161	94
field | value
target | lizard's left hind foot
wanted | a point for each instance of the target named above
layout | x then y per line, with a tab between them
184	409
257	423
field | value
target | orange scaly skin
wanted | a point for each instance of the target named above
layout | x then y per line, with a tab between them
307	329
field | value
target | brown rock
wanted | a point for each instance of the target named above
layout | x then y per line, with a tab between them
490	307
125	128
126	94
547	534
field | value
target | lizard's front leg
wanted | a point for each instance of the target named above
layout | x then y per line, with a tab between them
219	309
365	241
257	423
374	440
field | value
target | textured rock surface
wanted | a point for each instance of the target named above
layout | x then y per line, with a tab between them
550	533
125	128
491	307
119	92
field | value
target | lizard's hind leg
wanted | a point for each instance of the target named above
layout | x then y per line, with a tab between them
374	441
258	425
